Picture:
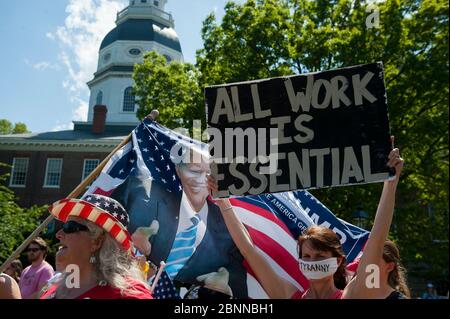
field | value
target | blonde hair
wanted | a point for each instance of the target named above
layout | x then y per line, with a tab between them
114	265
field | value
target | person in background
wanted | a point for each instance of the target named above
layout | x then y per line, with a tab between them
60	268
15	269
394	276
430	293
35	276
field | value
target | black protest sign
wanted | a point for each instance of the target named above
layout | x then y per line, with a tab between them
299	132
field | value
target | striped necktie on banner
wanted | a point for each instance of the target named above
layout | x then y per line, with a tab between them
183	248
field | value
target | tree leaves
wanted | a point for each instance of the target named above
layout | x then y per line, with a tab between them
6	127
268	38
171	88
16	223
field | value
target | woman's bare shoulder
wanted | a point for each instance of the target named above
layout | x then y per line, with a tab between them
9	289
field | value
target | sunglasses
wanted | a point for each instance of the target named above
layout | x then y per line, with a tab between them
33	249
71	227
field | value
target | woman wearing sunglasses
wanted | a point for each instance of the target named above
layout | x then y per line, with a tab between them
97	250
321	257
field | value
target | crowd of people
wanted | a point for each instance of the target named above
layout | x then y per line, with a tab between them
95	239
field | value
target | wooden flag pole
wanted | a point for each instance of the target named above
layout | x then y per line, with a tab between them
75	193
158	275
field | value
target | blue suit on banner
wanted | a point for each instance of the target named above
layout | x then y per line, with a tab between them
146	202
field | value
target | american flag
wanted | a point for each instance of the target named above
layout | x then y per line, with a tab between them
164	289
150	151
274	221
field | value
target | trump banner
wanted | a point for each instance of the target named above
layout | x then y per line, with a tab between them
173	218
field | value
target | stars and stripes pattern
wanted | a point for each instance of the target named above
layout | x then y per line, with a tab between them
98	212
111	206
274	221
152	149
165	289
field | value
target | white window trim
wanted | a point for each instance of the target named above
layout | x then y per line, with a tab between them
12	173
123	100
46	171
84	166
96	98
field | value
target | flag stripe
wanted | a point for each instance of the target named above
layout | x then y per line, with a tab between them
56	208
77	209
65	211
277	252
87	209
260	211
115	230
102	219
270	229
255	290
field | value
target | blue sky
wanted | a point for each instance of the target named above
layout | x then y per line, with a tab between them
50	51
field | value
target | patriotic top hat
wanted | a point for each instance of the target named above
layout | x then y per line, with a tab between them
102	211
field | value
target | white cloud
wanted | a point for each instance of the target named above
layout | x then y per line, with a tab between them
168	32
86	24
50	35
62	127
44	65
81	112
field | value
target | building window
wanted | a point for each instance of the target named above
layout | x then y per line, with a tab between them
53	172
156	3
106	57
88	167
99	99
135	51
19	172
128	100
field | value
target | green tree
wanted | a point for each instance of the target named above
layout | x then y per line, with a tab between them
265	38
171	88
16	223
20	128
251	43
6	127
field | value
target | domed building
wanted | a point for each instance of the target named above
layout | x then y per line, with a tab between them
141	27
48	166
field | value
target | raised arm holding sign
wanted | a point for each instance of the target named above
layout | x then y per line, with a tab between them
321	257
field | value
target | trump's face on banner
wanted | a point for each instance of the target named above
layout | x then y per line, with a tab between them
193	177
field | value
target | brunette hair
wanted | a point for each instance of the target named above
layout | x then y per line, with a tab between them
42	245
324	239
397	277
16	265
